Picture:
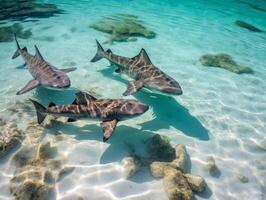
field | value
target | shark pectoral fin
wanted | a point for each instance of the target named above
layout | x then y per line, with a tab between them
30	85
51	104
71	120
68	69
108	128
133	86
22	66
119	70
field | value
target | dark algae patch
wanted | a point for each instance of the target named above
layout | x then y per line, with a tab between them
7	32
122	28
224	61
22	9
247	26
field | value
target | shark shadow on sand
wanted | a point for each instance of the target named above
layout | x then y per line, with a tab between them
175	115
122	142
123	139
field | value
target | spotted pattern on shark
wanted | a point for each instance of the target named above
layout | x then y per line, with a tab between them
43	72
142	70
109	111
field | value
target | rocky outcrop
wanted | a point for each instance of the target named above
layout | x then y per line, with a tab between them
160	149
242	178
130	165
177	184
10	137
122	28
36	172
212	167
170	164
223	61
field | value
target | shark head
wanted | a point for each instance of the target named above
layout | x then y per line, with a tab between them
128	108
171	87
165	85
60	80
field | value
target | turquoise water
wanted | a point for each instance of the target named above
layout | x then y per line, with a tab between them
220	114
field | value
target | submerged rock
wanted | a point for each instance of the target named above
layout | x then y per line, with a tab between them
212	167
247	26
37	171
157	169
262	145
10	137
181	157
242	178
34	190
196	183
22	9
21	109
177	184
168	163
7	32
160	149
224	61
123	28
130	165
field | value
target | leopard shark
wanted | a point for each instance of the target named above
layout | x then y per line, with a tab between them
109	111
142	70
43	72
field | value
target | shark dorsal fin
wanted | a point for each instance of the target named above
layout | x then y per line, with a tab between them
143	56
38	54
25	49
51	104
75	102
109	51
83	98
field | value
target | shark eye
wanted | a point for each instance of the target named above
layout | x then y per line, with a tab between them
129	106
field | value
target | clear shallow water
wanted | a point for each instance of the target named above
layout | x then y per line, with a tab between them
220	114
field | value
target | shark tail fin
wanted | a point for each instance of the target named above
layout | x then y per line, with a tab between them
16	54
98	55
40	110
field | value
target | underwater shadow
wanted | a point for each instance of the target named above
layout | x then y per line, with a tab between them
124	137
46	95
167	110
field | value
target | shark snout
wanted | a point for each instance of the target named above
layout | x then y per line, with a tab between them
173	90
133	107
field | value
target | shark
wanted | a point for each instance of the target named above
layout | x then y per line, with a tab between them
109	111
43	72
142	70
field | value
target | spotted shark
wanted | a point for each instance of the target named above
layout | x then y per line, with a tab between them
43	72
142	70
109	111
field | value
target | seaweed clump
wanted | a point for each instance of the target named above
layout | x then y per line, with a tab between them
224	61
122	28
22	9
247	26
7	32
